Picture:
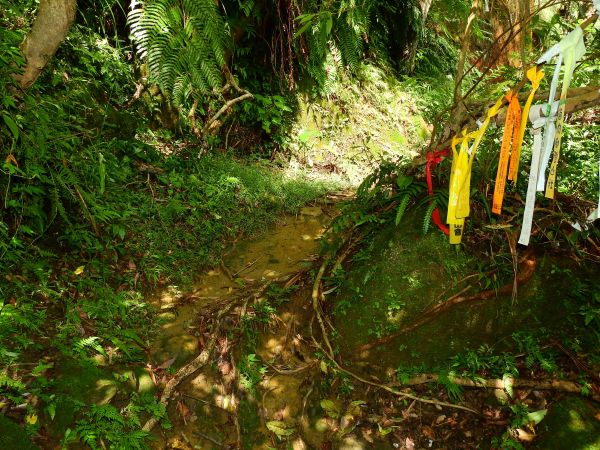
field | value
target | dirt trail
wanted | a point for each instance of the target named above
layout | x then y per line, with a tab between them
203	413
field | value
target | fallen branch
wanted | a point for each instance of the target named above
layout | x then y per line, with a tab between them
505	384
211	124
527	268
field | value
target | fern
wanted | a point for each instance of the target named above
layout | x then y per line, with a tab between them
184	43
402	208
89	343
428	214
333	30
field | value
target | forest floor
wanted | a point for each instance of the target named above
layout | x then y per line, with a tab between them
269	385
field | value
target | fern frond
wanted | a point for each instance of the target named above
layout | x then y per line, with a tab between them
402	208
184	43
428	214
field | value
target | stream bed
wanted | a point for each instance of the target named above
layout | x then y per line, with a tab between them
265	388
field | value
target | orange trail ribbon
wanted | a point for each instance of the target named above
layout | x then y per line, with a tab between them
535	76
511	134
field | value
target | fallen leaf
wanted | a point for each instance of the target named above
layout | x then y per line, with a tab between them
168	363
524	436
409	444
428	432
31	419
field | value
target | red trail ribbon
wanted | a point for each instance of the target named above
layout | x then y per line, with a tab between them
433	159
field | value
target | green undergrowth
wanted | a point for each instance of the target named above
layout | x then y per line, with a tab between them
69	299
365	120
97	210
404	265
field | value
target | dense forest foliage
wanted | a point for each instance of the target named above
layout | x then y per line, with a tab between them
144	142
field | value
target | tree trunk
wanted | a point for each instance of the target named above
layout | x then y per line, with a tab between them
52	23
462	57
425	6
510	40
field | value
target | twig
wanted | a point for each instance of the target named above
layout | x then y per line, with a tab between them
516	383
290	371
388	388
246	267
208	438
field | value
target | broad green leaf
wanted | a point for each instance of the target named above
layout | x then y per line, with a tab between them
508	384
51	409
12	125
537	416
323	367
280	429
330	408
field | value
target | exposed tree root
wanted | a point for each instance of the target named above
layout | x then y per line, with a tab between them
387	388
203	358
189	368
527	268
316	293
514	383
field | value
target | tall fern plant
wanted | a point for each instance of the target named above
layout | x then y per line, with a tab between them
184	43
338	29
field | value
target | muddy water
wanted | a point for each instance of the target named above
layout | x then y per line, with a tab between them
203	414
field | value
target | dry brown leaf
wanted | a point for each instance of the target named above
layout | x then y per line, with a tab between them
168	363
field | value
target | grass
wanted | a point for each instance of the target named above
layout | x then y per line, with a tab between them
193	215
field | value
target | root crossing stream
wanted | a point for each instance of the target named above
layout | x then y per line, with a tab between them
203	410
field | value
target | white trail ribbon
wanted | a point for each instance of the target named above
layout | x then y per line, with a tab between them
572	49
538	121
550	126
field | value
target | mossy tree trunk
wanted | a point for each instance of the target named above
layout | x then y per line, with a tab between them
52	23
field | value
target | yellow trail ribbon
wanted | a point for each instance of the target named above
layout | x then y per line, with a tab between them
460	175
535	76
511	131
456	174
463	209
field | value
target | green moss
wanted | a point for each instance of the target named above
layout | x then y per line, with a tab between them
403	273
78	384
12	436
570	424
